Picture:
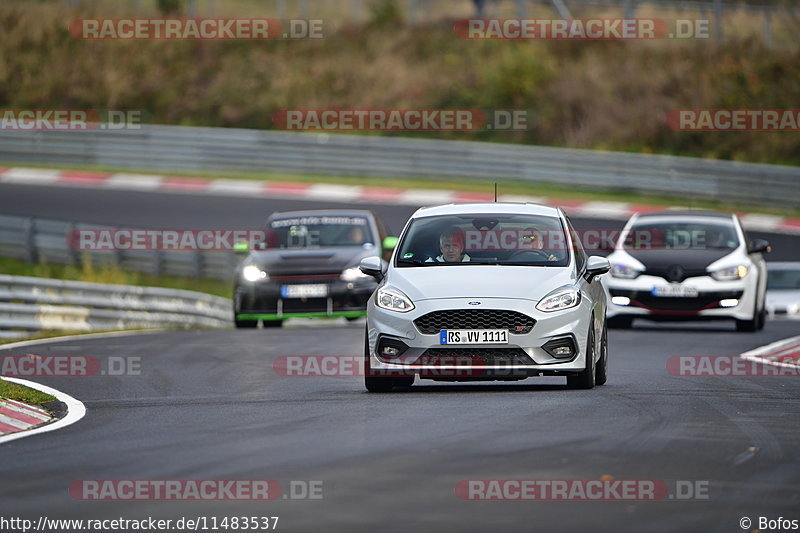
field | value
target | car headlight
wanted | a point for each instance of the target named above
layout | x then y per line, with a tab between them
624	271
729	273
393	300
559	299
352	274
253	273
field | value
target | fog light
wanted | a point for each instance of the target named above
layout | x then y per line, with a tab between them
729	302
388	347
561	347
620	300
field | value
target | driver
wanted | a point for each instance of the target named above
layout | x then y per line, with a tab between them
451	244
533	239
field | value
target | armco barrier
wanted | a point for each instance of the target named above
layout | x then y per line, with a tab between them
31	304
207	149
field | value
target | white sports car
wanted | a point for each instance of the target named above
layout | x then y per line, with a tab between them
687	265
486	291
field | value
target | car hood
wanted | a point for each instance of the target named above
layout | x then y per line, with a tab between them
474	281
317	261
677	265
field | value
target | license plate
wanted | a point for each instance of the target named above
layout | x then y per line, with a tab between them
304	291
473	336
674	291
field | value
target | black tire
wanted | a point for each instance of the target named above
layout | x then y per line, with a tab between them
245	323
620	322
754	324
601	373
586	379
272	323
375	383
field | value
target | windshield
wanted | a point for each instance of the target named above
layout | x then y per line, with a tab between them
526	240
681	236
317	232
783	279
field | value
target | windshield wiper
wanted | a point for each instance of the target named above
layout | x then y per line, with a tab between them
413	262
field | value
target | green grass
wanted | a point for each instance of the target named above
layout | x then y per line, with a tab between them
111	274
12	391
466	185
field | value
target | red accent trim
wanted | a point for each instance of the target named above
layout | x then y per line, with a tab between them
637	303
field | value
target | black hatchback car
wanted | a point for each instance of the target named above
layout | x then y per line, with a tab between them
308	267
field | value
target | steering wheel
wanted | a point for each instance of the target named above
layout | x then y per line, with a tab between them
541	255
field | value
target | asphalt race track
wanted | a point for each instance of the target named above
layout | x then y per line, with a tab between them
210	405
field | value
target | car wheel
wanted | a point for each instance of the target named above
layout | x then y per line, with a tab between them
751	324
375	383
245	323
762	317
620	322
272	323
601	374
586	379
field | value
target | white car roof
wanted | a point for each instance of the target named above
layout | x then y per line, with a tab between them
487	208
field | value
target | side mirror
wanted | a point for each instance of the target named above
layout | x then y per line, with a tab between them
372	266
759	245
596	266
389	243
241	247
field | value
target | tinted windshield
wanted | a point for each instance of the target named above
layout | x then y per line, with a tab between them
783	279
681	235
318	232
484	239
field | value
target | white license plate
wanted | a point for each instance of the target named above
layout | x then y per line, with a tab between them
473	336
674	291
305	291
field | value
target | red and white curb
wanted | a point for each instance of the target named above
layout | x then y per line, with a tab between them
17	416
23	420
344	193
784	353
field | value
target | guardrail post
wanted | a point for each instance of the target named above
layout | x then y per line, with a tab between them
31	253
197	264
717	19
72	253
281	8
158	263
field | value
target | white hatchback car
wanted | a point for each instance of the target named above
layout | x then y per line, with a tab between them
687	265
486	291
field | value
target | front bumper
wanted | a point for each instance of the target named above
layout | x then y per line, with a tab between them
263	300
522	357
706	305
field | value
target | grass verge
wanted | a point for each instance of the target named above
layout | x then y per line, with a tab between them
111	274
12	391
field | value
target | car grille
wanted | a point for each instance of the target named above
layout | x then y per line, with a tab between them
474	357
514	322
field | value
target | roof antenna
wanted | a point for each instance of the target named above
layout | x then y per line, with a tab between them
495	192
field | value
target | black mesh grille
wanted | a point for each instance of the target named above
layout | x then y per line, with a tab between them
436	321
474	357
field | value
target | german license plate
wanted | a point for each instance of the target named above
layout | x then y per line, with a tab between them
473	336
674	291
305	291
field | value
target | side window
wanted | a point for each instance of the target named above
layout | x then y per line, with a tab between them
580	255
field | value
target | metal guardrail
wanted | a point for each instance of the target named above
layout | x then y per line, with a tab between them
167	148
33	304
36	239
